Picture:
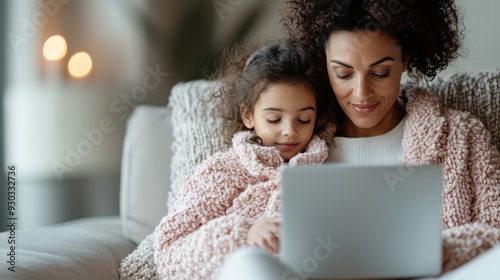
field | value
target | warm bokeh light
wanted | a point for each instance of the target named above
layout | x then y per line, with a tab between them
80	65
54	48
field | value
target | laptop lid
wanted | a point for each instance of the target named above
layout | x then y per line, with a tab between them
361	222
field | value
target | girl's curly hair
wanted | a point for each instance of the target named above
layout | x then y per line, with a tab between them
248	69
430	32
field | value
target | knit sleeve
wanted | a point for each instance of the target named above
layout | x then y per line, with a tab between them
199	254
482	232
186	235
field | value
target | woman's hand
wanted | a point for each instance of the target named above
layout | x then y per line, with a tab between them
264	233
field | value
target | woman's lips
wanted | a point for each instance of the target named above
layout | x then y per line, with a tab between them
364	109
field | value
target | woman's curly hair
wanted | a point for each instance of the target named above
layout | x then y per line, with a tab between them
430	32
248	69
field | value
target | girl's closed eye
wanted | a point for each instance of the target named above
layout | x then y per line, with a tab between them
304	121
343	75
273	120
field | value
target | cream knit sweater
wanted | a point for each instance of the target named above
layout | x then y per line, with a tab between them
219	203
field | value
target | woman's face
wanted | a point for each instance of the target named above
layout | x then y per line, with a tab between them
365	68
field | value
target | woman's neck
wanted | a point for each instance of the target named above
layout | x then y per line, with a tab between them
349	129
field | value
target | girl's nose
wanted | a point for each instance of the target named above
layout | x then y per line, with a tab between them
289	130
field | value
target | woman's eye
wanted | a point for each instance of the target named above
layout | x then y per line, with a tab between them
304	121
381	75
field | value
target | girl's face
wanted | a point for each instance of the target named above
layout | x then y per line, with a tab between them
365	68
283	117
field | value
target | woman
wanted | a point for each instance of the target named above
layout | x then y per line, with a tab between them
365	47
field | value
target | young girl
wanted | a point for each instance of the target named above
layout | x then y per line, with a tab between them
274	116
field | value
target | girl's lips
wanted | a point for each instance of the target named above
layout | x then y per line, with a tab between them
364	109
287	146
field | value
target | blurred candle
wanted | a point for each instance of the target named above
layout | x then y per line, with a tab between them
80	65
55	48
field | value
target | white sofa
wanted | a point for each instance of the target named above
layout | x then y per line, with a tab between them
162	146
92	248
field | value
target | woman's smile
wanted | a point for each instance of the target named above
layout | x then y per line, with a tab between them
364	109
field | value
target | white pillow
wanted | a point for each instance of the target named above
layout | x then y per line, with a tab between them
145	170
196	130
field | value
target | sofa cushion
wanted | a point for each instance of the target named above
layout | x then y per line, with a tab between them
140	265
145	170
52	253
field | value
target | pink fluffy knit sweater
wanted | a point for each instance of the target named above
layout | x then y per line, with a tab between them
216	207
471	165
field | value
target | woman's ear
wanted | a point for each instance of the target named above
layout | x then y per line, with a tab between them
246	116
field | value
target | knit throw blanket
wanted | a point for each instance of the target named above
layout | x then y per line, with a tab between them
197	135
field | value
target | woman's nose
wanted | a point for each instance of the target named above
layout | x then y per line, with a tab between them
362	89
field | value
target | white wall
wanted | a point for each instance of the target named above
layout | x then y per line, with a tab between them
46	110
481	46
482	42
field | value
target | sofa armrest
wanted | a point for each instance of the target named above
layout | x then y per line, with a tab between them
145	170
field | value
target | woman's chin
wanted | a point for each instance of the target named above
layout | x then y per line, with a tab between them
364	123
363	127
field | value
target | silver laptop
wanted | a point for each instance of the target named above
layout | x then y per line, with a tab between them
361	222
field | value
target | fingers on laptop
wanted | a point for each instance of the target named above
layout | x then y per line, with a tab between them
272	244
264	233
